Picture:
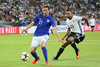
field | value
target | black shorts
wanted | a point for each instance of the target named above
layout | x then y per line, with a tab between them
92	26
78	37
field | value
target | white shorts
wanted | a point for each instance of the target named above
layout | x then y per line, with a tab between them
36	41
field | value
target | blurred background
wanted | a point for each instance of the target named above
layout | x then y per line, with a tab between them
12	11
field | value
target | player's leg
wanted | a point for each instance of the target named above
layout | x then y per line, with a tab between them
33	53
21	30
68	41
76	49
52	32
44	50
78	39
34	45
92	28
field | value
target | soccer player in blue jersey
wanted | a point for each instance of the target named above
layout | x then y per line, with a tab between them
41	35
23	22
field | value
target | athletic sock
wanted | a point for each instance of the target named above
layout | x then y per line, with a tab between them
45	53
75	47
59	52
52	32
35	55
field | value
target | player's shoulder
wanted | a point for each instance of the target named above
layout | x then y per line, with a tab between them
51	17
76	17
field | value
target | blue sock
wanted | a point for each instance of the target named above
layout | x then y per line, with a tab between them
51	31
45	53
35	55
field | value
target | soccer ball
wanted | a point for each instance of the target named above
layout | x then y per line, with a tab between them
24	56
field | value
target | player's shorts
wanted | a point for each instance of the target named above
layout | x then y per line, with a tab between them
78	37
36	41
92	26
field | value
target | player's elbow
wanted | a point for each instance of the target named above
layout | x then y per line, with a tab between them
84	18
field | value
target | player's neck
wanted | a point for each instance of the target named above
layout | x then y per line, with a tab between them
70	17
46	15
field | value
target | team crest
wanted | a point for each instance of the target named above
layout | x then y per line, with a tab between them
48	20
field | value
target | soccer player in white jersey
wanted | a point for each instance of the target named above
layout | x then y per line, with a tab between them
92	23
41	36
75	33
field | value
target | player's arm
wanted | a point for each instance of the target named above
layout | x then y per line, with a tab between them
86	20
55	31
29	26
67	33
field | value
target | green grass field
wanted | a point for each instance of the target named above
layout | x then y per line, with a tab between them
11	46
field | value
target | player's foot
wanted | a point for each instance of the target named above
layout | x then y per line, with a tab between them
78	54
34	61
54	59
52	34
47	63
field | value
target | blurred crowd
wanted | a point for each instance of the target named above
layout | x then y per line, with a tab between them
14	10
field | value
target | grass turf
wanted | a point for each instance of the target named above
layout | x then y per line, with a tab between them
11	46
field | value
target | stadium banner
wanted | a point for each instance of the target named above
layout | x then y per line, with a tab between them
9	30
63	28
60	28
86	28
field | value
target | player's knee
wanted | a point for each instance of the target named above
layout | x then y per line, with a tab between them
32	49
42	45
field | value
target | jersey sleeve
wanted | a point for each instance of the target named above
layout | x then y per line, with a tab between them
36	18
53	24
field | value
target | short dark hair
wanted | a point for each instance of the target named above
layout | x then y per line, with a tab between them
68	10
46	6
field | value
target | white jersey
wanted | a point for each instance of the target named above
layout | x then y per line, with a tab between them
92	22
75	24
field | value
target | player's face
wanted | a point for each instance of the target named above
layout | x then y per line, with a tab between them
46	12
69	14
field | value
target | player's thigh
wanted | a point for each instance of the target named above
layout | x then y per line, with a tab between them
35	42
44	40
70	39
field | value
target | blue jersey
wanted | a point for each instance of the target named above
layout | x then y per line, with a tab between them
43	24
23	22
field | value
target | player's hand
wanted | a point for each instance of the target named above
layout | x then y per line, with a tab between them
61	40
23	30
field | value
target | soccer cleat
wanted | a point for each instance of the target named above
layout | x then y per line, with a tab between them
47	63
34	61
54	59
78	55
52	34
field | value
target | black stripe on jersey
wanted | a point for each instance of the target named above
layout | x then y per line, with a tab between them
80	26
